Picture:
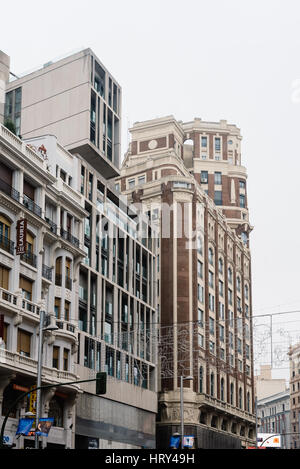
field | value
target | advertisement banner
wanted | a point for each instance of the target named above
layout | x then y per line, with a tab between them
189	441
44	426
21	236
24	426
175	441
268	440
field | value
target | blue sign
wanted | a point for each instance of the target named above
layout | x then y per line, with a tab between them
175	441
24	426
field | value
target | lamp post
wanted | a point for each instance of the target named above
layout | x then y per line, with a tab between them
188	378
39	371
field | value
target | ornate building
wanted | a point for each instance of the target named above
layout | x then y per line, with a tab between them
188	179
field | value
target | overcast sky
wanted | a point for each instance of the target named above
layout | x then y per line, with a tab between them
219	59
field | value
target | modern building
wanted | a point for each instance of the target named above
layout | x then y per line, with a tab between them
51	215
198	200
273	412
73	105
294	354
77	100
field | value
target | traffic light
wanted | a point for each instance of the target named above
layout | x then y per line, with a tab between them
101	382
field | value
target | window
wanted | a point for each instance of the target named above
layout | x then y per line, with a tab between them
239	346
242	201
204	177
200	293
220	265
4	233
240	399
200	317
222	394
210	256
13	108
201	379
55	357
212	382
221	288
217	143
67	310
218	198
221	311
211	326
211	279
229	296
229	275
57	307
131	183
141	180
4	276
24	342
211	346
26	287
238	284
231	393
218	178
66	359
211	300
200	269
200	340
242	185
204	142
221	328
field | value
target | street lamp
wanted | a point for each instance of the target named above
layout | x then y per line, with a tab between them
188	378
50	327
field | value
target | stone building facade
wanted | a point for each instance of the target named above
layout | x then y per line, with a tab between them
204	276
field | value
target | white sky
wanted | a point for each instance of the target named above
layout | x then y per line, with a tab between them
216	59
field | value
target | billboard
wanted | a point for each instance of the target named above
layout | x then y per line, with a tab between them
269	440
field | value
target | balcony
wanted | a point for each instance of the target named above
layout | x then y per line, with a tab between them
7	245
33	207
8	297
29	258
47	272
9	190
65	326
53	226
30	306
68	237
29	365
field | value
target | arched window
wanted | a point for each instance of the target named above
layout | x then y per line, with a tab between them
220	265
240	398
222	389
210	256
232	394
201	379
212	384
